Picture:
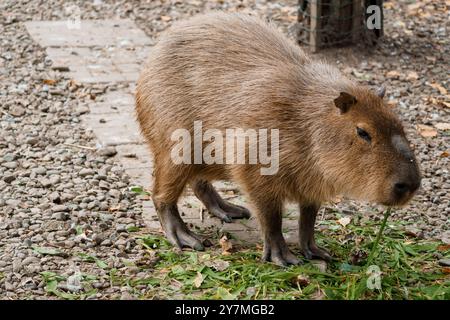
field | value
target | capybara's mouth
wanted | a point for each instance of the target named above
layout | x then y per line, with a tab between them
398	202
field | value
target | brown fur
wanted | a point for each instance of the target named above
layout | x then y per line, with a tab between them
233	70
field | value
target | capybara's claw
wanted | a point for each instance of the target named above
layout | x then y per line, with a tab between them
310	252
229	212
279	253
182	238
235	211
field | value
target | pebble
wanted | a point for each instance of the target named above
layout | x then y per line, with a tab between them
107	151
61	216
10	165
86	172
444	262
17	111
8	178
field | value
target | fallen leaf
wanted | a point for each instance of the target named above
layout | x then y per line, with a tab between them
166	18
437	86
444	247
444	154
442	126
301	280
218	264
412	75
393	74
114	209
49	81
226	245
344	221
444	103
446	270
198	280
427	131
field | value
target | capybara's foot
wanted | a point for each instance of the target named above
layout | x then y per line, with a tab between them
311	251
279	253
228	211
181	237
176	230
224	210
235	211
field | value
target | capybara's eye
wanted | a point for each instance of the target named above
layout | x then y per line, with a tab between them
363	134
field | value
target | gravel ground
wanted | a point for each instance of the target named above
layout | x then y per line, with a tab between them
58	201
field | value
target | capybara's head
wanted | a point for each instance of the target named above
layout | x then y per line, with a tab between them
367	155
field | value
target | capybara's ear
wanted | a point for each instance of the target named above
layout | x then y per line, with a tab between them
344	101
381	91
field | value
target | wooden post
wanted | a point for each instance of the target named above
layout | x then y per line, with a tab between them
315	25
357	19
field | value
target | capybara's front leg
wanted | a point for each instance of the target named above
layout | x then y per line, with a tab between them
306	223
275	247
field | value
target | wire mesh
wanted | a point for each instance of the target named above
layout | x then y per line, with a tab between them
328	23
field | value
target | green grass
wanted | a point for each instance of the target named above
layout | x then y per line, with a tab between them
407	268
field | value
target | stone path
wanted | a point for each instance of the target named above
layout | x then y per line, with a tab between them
111	52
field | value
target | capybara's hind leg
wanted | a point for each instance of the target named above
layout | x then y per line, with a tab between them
220	208
306	223
167	189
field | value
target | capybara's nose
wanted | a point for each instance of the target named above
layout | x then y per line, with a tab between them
405	188
401	189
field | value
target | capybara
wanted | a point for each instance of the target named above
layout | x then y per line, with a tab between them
336	137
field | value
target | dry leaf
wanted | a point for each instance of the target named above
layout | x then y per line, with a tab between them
442	126
301	280
166	18
49	82
441	89
344	221
226	245
446	270
198	280
427	131
444	154
412	75
393	74
444	103
444	247
114	209
218	264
